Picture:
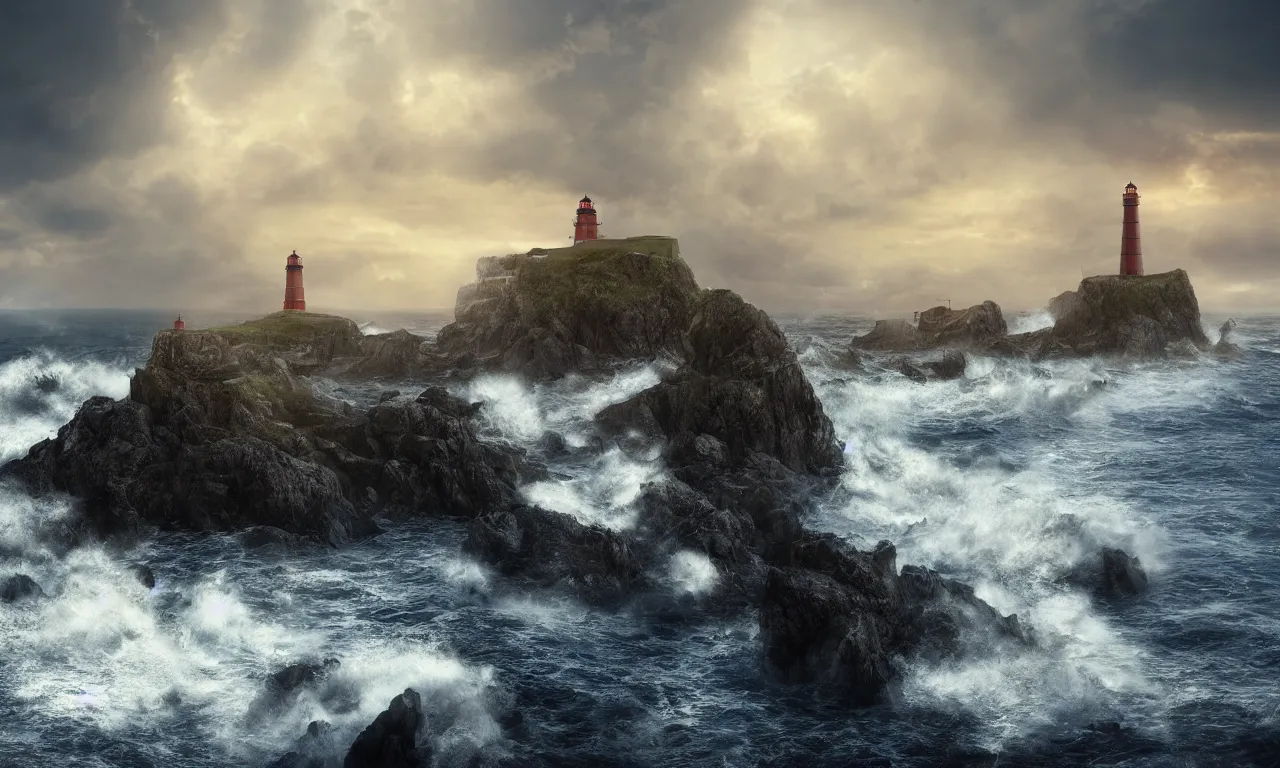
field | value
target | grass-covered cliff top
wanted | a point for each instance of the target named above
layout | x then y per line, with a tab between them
654	245
607	272
287	328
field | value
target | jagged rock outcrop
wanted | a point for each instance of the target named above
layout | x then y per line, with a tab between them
395	739
1129	316
1062	304
222	436
551	548
838	617
576	309
937	327
943	326
742	385
1112	573
389	355
1226	349
889	336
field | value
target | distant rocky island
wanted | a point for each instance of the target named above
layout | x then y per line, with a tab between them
1133	317
223	430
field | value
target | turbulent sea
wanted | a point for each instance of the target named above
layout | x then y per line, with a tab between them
1005	479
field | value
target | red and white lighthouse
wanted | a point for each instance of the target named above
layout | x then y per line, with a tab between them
293	295
179	324
585	227
1131	237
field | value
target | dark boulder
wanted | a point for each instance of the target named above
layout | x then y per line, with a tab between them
837	617
1111	574
742	384
424	457
910	370
951	366
1122	574
395	739
143	573
19	587
551	548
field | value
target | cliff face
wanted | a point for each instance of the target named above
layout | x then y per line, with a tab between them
573	309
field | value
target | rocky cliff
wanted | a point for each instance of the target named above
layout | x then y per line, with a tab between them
221	432
581	308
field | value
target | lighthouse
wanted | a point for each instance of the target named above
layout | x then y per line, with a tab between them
1131	237
179	324
585	227
293	296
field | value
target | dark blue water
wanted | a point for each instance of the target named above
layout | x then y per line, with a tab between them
1006	479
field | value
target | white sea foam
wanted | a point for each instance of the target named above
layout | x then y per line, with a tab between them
42	391
1011	525
693	573
1026	322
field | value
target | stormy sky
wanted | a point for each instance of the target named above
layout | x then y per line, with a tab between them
841	155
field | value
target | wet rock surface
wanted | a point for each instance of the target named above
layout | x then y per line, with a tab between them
222	431
19	587
216	436
395	739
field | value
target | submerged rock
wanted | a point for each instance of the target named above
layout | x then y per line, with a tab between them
314	749
1111	574
951	366
19	587
145	576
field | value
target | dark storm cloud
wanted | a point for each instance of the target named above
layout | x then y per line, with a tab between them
1221	56
83	79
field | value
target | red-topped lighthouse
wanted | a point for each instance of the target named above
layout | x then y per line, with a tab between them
293	296
1131	237
585	227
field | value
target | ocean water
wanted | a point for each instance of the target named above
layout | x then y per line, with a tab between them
1005	478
